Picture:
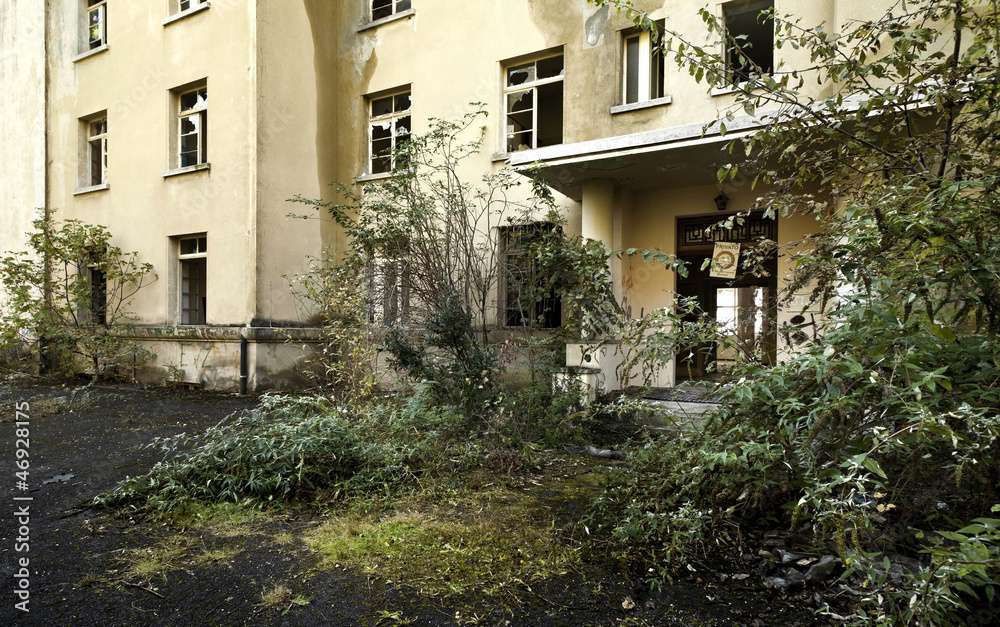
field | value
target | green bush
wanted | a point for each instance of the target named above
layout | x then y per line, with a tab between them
460	368
67	299
289	447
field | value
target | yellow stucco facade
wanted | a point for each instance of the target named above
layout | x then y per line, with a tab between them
219	111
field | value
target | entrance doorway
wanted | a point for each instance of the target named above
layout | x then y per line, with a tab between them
744	307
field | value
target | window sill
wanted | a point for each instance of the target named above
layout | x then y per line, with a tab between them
176	17
744	86
385	20
367	178
497	157
187	170
91	53
90	189
638	106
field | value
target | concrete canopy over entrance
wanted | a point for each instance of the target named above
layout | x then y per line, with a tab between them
680	156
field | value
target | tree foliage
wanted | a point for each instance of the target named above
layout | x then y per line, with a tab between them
428	245
887	139
67	297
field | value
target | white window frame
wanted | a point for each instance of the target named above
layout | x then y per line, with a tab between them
180	9
199	114
532	86
97	142
394	119
189	5
96	15
650	70
200	251
395	7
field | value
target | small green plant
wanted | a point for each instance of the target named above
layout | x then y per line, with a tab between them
335	293
277	598
460	368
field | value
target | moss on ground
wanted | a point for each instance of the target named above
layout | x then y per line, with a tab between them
458	539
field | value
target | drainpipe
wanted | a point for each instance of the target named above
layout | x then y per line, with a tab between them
243	365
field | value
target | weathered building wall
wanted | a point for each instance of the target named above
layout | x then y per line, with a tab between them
260	148
296	115
146	210
22	119
289	88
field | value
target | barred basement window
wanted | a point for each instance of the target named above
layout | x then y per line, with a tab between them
90	271
389	291
527	299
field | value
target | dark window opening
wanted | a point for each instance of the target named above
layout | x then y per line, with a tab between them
193	292
750	39
384	8
98	297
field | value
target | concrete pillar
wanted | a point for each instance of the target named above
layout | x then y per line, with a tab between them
598	210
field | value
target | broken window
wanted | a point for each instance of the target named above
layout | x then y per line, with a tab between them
389	126
528	299
193	127
97	22
533	93
184	5
385	8
193	271
642	61
750	38
97	151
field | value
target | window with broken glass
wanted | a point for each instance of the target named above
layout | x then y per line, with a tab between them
527	298
750	38
389	126
193	259
642	65
193	127
384	8
97	22
97	149
185	5
533	93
